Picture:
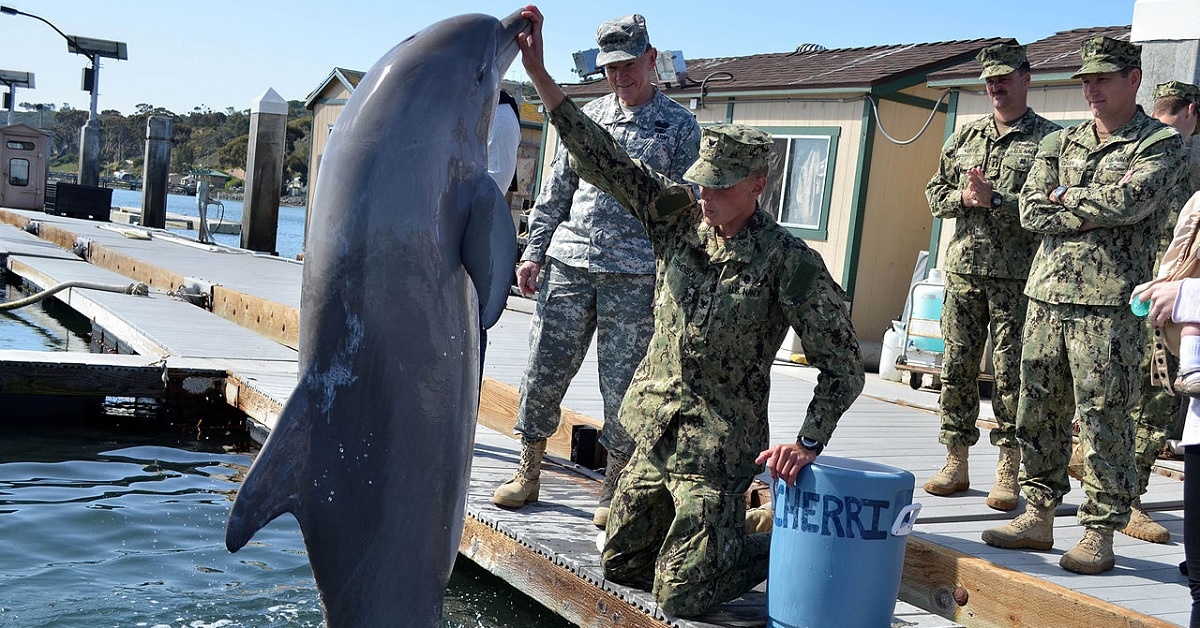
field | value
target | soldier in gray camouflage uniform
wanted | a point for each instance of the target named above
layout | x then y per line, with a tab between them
730	282
1098	192
596	264
978	182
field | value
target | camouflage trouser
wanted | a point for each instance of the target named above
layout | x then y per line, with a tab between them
682	535
572	304
971	302
1157	416
1084	360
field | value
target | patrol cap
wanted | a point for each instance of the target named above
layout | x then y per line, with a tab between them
1186	91
1105	54
728	154
621	39
1001	59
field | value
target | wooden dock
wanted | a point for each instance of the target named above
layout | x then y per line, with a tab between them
240	346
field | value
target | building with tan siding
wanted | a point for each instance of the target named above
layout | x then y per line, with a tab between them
839	182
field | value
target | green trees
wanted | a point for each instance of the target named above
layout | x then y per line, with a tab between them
203	138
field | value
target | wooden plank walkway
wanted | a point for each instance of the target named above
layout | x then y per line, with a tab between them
548	549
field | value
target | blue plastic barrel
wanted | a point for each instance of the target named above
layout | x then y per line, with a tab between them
837	547
927	304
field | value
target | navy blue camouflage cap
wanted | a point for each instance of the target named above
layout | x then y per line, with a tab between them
622	39
1186	91
1105	54
1001	59
728	154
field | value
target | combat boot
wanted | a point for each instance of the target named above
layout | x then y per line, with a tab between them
1005	492
953	477
759	520
1032	530
1092	555
523	487
1141	526
1075	467
616	466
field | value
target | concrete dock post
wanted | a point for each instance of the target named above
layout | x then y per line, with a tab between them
264	172
155	171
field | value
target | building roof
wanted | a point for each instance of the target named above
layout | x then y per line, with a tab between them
348	78
1055	57
813	69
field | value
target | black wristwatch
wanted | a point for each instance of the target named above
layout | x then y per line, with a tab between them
997	200
814	446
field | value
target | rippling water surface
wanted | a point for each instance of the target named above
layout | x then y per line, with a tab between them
123	525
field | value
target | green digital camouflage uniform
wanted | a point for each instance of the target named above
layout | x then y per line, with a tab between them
1083	346
986	265
697	405
1158	415
597	270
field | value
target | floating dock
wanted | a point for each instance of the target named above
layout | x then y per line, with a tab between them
224	325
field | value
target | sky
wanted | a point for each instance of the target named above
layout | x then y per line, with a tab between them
225	53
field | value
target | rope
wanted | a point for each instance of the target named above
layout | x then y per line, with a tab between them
138	289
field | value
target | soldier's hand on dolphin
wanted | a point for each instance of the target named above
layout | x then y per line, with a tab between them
785	461
532	57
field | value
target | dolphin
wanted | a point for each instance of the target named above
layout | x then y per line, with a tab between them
410	254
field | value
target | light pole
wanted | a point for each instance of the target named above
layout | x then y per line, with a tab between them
93	49
14	79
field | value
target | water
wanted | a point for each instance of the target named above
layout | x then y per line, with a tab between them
120	521
124	526
289	239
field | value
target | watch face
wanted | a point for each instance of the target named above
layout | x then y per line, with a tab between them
997	200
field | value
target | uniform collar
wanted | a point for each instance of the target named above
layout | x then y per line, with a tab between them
740	248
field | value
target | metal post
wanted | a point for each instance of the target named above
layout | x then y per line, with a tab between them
12	100
156	171
89	136
202	211
264	172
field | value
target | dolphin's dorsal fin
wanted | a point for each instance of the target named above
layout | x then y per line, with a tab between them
489	249
272	488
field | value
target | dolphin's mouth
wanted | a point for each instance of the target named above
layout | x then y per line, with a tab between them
506	43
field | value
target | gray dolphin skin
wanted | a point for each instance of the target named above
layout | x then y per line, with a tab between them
410	252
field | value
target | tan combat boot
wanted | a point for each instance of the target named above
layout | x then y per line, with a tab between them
616	466
759	520
1141	526
953	477
1092	555
1075	466
523	487
1005	492
1032	530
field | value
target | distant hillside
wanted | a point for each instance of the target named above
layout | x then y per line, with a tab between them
202	138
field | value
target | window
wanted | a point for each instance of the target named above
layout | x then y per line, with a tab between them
801	179
18	145
18	171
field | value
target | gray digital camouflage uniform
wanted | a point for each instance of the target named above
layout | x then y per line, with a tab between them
987	263
697	406
598	270
1083	346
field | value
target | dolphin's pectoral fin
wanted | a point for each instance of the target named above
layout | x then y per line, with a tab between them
272	486
489	249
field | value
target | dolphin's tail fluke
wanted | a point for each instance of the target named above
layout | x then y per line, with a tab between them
270	488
